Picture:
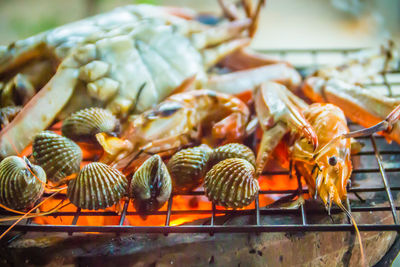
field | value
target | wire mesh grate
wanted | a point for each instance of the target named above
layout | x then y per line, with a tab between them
377	148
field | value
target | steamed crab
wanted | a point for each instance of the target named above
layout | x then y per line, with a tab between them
126	60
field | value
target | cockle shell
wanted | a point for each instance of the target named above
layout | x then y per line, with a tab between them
86	123
21	183
57	155
151	185
97	186
232	150
231	183
7	114
188	167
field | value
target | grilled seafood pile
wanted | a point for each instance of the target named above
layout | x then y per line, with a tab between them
105	77
127	61
135	86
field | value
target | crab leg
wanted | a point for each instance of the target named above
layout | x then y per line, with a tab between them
213	55
361	106
219	34
230	10
237	82
243	59
256	18
44	105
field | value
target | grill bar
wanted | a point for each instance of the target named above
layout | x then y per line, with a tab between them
204	228
384	180
123	214
263	211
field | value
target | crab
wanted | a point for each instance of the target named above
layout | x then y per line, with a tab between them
127	60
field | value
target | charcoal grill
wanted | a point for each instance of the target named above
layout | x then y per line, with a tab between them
376	147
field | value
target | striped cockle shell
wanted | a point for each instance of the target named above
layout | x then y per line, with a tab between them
97	186
232	150
151	185
86	123
21	183
231	183
188	167
57	155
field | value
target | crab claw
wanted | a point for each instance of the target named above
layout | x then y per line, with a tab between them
281	105
279	111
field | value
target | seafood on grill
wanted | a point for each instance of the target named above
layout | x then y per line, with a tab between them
181	119
322	142
231	183
325	165
343	87
21	183
232	150
127	61
97	186
188	167
151	185
57	155
86	123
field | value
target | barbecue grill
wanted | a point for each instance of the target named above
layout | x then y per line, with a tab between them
382	166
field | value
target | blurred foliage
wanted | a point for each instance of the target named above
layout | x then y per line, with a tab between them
152	2
22	28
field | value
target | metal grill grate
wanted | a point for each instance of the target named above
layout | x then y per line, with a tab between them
377	148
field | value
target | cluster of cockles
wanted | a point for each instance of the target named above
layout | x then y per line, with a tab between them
227	172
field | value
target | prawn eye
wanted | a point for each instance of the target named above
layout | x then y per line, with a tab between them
332	161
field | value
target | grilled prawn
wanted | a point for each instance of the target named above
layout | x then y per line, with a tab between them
127	61
325	164
328	170
322	147
179	120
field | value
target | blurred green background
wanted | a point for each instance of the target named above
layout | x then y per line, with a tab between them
284	23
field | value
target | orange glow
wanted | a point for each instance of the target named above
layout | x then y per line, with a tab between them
179	204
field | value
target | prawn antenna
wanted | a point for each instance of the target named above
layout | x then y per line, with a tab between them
28	212
363	263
